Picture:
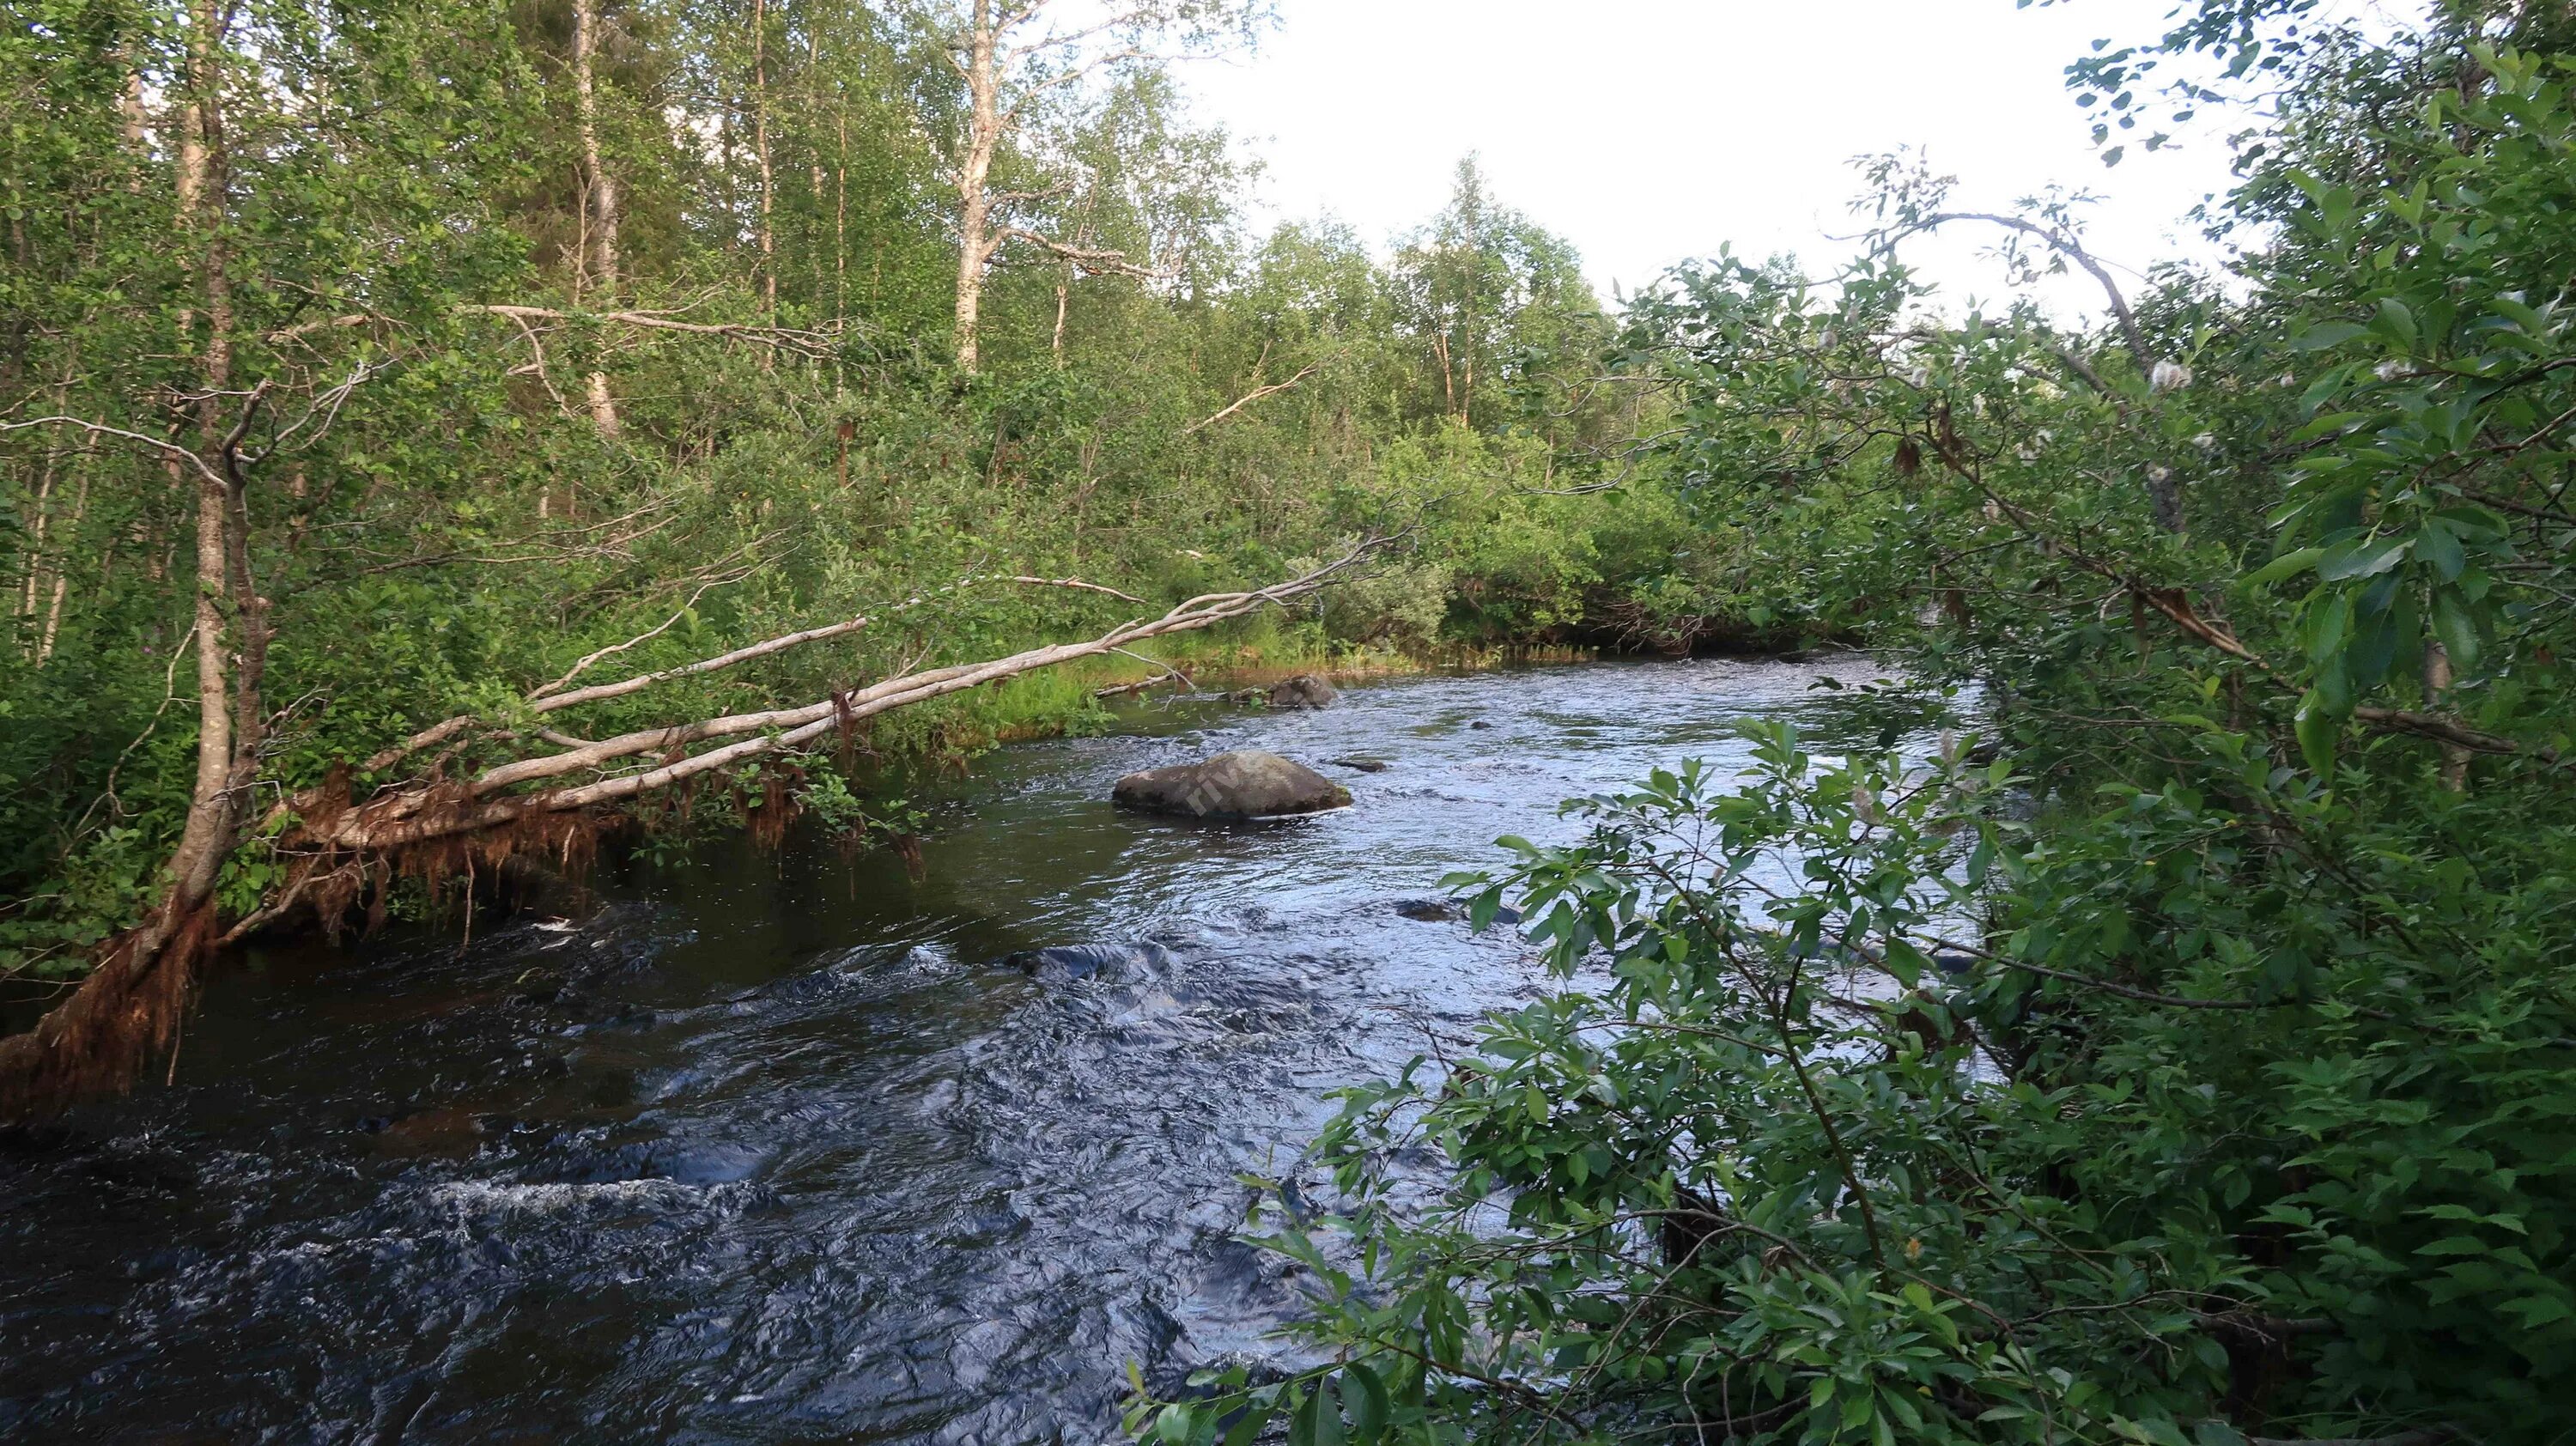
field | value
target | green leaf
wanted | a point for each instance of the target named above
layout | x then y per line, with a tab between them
1248	1428
2318	731
1364	1400
2457	628
2455	1245
2368	557
2325	334
2396	322
2288	564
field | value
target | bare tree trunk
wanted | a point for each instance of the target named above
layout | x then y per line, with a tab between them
976	240
135	116
2437	684
1064	284
1467	333
603	193
208	832
814	154
1063	298
768	183
62	575
841	222
40	506
1467	384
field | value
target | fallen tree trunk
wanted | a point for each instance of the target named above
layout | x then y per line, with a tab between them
337	849
430	812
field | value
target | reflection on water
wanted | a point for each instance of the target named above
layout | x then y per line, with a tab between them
789	1147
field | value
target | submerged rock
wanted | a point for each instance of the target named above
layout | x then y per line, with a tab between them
1440	911
1117	963
1363	765
1306	690
1248	784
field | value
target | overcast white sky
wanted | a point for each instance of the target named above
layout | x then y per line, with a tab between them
1650	130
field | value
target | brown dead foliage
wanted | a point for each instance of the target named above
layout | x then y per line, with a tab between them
128	1013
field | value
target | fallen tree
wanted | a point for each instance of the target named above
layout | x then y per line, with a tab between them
339	849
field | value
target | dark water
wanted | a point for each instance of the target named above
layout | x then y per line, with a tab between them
780	1147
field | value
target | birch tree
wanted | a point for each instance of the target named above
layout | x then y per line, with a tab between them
602	194
1028	64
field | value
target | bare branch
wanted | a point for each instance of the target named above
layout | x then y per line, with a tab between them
1164	672
2061	241
788	338
172	449
1096	263
615	648
1075	582
1248	398
768	648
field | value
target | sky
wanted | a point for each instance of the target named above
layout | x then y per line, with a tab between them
1647	131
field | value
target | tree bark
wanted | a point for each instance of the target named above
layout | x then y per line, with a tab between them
760	150
841	219
976	240
2437	687
603	193
1063	302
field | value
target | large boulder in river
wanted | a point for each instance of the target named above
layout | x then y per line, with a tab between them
1306	690
1249	784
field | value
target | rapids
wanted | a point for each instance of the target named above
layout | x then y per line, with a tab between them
790	1146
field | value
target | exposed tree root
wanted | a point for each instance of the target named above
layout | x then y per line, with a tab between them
125	1014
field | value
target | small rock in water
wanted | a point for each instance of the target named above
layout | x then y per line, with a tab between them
1247	784
1480	723
1441	911
1121	963
1364	765
1306	690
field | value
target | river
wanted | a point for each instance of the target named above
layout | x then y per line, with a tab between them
785	1146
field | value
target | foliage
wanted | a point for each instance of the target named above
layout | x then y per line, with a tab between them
439	522
2191	1059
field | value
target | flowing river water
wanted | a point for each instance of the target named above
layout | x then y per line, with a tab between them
787	1146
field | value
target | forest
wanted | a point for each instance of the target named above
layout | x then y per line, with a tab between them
446	433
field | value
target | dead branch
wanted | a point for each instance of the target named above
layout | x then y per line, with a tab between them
2063	242
1089	261
597	691
171	450
1164	673
809	342
1248	398
548	700
614	649
1078	583
416	815
813	343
